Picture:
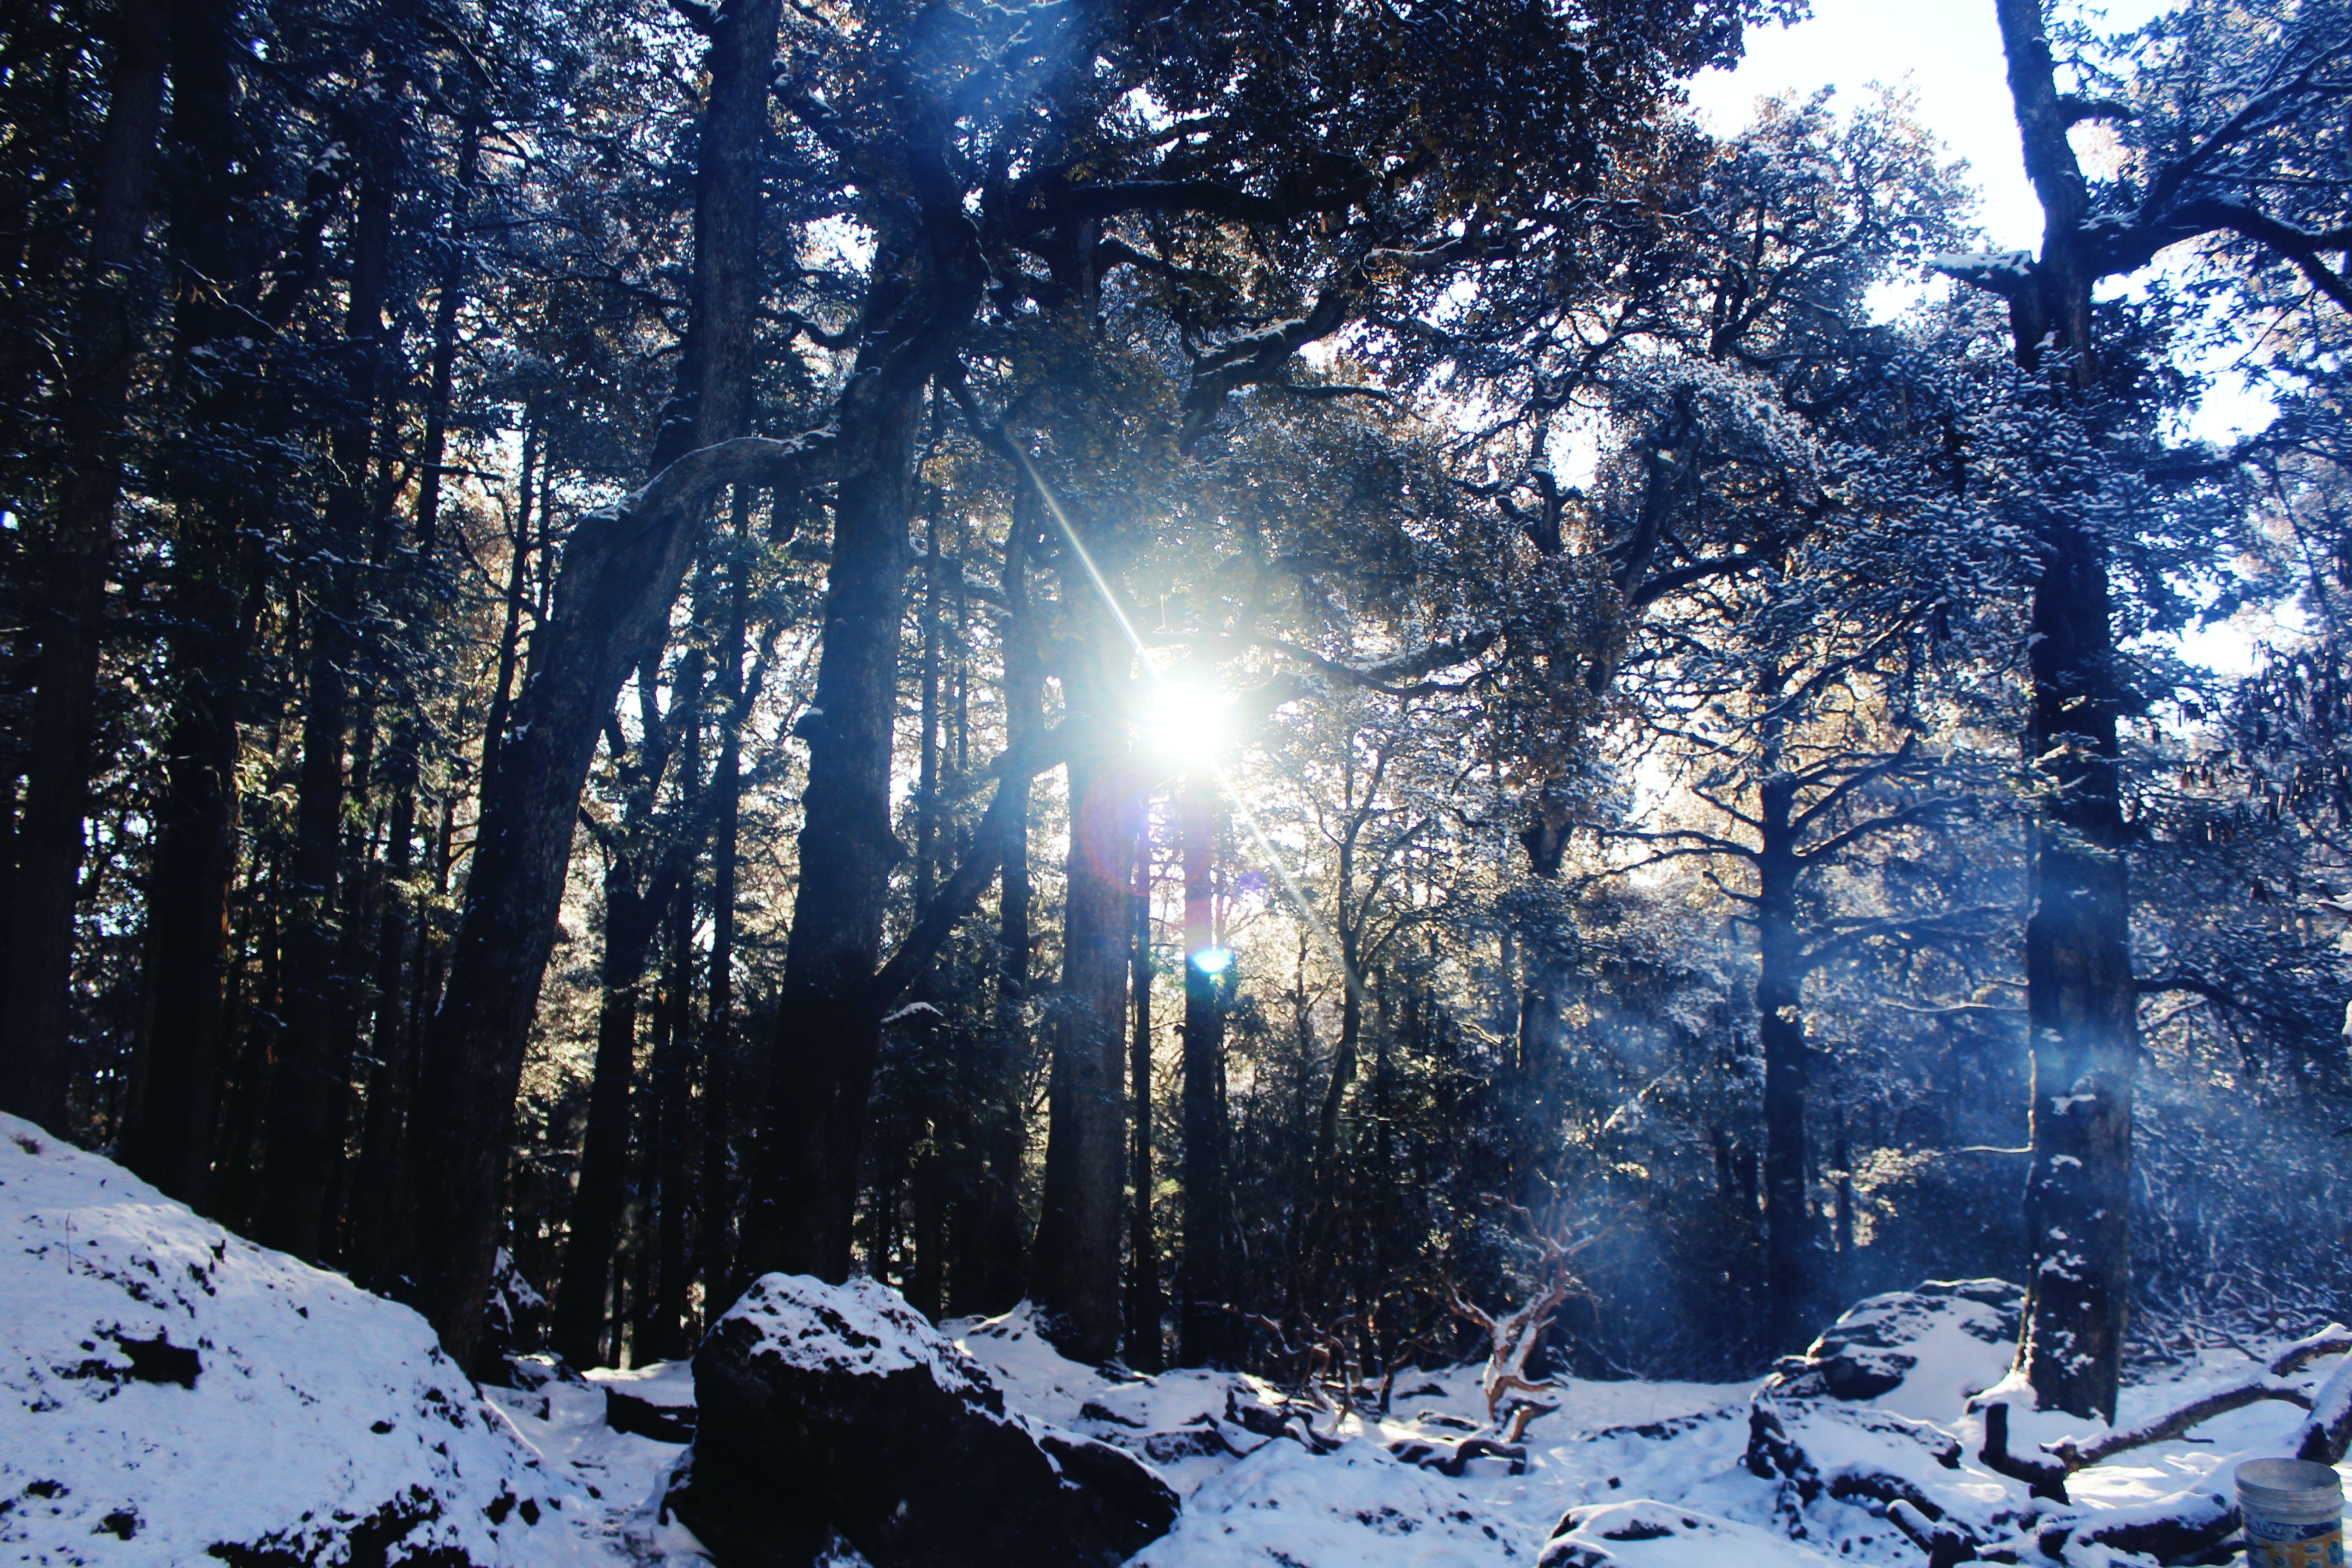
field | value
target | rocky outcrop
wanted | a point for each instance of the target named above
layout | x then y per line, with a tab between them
1921	1353
1860	1414
838	1412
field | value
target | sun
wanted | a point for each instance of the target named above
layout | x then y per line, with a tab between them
1185	720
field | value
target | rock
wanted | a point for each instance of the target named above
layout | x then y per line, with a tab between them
1645	1534
1920	1354
838	1409
515	1316
655	1401
1858	1415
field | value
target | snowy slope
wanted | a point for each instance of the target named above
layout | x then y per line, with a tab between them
173	1392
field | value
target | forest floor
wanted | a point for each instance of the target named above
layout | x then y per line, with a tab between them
166	1387
1625	1446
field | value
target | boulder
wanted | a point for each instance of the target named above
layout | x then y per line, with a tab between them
1863	1413
837	1410
1921	1353
655	1401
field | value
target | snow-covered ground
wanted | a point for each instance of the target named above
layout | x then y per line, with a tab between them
170	1389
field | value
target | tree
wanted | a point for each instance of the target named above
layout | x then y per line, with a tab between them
2226	101
118	291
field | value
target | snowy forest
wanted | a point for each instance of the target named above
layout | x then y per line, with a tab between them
1298	688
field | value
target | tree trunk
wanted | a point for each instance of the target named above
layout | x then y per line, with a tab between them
926	291
311	1079
1203	1331
672	1185
116	298
168	1135
998	1274
2081	1005
391	1040
1143	1347
2082	1002
1789	1243
715	1251
1075	1274
443	372
583	1288
621	572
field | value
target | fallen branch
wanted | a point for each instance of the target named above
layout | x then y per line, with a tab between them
1450	1459
2325	1436
1944	1543
2270	1384
2043	1477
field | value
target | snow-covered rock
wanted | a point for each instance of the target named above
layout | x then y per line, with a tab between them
837	1411
1921	1353
176	1395
1356	1505
1648	1534
1858	1415
655	1401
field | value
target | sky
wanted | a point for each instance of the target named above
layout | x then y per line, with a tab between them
1948	52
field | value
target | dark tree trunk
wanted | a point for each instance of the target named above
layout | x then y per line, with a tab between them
450	291
672	1186
117	296
391	1049
168	1135
582	1292
1203	1330
494	724
926	291
311	1079
1144	1352
2082	1002
715	1251
2081	1005
621	574
1790	1242
997	1274
1075	1275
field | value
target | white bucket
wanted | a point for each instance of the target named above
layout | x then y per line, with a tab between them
2294	1511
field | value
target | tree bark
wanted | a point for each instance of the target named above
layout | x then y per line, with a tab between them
1144	1353
1075	1271
577	1329
2082	1004
998	1269
168	1135
621	572
714	1249
1789	1239
444	366
390	1048
672	1185
926	290
311	1079
1203	1330
117	295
